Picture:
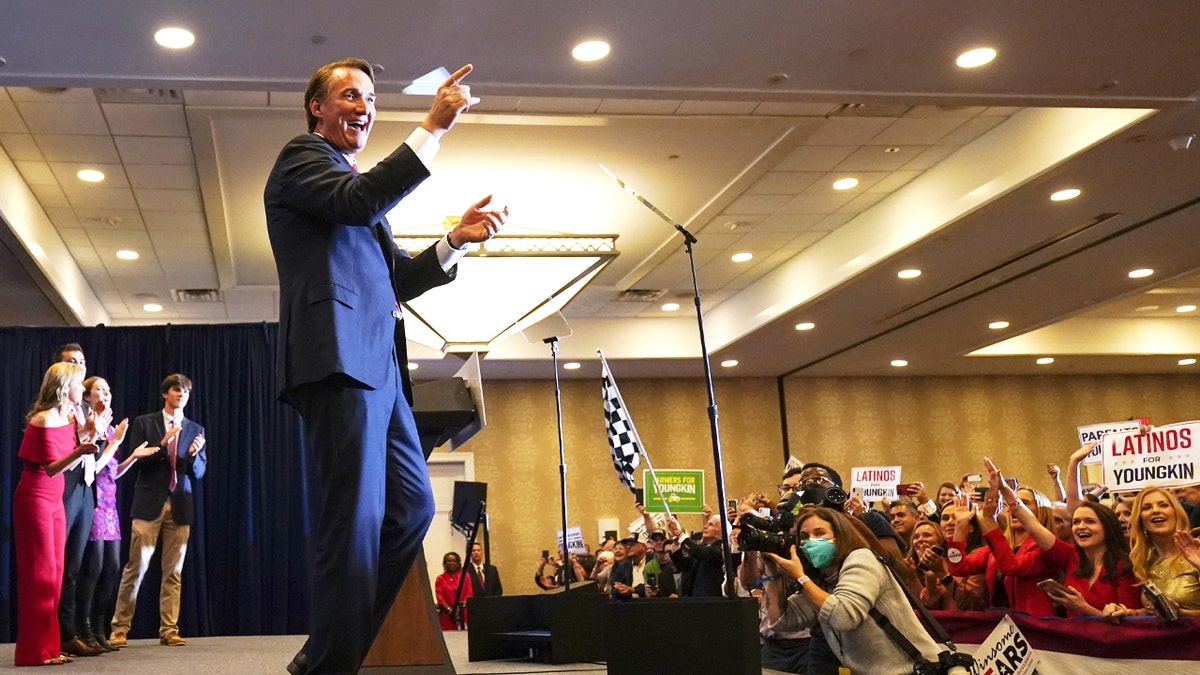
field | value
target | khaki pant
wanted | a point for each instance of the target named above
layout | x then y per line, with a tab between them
143	540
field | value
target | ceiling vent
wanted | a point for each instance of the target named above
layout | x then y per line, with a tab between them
196	295
174	96
641	295
869	110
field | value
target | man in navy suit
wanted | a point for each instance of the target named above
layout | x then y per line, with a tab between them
342	358
162	504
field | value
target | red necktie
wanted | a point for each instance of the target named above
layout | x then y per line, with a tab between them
354	165
172	447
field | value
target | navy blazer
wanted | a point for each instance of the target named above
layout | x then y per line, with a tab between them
151	489
340	272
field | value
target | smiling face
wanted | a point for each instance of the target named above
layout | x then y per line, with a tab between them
451	563
948	523
904	519
346	115
924	536
1158	514
176	398
945	494
75	389
1026	496
100	396
1087	528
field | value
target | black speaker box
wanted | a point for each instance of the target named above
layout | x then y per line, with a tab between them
467	498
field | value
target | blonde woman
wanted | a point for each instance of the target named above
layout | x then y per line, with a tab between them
1156	554
50	444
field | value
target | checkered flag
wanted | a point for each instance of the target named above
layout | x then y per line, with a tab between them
622	436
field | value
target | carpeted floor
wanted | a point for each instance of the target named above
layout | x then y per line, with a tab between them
267	654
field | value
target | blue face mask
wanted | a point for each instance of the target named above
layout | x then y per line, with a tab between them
819	551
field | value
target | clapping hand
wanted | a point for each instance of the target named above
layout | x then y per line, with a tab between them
1188	547
197	445
171	433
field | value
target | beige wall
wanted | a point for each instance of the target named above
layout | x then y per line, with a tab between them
936	428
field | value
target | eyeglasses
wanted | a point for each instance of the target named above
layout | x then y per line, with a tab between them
784	489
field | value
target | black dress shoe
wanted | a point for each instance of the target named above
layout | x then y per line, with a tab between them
299	664
76	647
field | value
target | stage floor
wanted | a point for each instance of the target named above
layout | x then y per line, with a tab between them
268	654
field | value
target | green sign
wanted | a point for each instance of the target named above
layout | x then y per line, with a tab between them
682	488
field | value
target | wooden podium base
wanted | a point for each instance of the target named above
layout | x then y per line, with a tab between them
410	641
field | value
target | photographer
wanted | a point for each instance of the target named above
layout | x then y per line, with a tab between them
841	580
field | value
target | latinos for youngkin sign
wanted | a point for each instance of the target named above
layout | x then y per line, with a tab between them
1163	456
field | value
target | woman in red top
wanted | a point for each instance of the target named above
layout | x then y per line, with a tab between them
50	444
1097	567
445	586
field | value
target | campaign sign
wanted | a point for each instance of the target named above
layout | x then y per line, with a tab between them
682	488
1163	456
1094	432
875	482
574	540
1005	652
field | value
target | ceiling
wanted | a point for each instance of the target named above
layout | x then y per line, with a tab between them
733	118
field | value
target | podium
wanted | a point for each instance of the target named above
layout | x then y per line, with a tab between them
410	640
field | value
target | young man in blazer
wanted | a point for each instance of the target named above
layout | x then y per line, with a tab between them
162	503
342	358
485	578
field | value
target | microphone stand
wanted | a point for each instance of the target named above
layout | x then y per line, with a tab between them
562	462
727	547
456	610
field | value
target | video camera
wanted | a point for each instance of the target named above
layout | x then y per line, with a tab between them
774	533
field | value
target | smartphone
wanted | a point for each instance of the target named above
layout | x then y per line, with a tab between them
652	581
856	493
1052	586
903	488
974	478
731	504
545	554
938	550
639	495
980	492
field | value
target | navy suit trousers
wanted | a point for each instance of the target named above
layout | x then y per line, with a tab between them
370	510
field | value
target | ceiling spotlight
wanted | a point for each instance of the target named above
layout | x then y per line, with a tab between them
592	50
1183	309
1146	308
412	365
899	363
1045	361
174	38
152	307
909	274
807	325
741	257
571	365
90	175
729	363
1141	273
1065	195
1187	362
126	254
844	183
976	57
670	307
998	325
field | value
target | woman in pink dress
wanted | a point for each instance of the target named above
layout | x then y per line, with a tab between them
445	586
50	445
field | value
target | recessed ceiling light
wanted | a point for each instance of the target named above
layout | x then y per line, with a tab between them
152	307
807	325
90	175
592	50
1045	361
174	37
1064	195
571	365
1140	273
976	57
1182	309
1146	308
126	254
909	274
899	363
729	363
998	325
742	257
1187	362
844	183
670	307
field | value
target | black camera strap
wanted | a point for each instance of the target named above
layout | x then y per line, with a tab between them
931	623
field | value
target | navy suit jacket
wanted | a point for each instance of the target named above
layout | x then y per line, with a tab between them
489	585
340	272
151	489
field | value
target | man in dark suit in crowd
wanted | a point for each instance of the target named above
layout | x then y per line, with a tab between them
162	503
342	357
485	578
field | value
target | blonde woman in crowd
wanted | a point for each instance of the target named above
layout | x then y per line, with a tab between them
1157	558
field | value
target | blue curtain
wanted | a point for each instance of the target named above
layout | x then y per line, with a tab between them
246	571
